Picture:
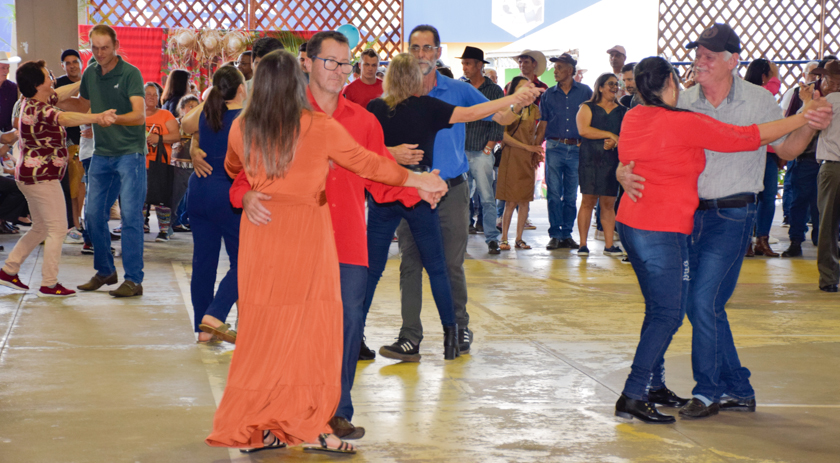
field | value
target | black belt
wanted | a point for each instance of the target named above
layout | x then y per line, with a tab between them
455	181
728	202
567	141
418	168
829	160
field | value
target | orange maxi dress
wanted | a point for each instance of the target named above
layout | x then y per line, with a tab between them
285	375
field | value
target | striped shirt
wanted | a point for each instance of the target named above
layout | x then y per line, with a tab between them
480	132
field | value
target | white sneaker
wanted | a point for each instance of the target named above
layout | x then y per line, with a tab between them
772	240
74	236
599	235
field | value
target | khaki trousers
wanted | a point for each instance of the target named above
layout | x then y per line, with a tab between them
828	202
49	222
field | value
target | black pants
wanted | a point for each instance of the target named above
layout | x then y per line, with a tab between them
12	202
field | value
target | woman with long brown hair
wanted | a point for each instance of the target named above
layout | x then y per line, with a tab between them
284	383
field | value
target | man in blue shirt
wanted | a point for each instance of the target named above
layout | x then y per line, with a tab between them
451	159
559	106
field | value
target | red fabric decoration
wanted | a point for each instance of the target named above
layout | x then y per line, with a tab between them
143	47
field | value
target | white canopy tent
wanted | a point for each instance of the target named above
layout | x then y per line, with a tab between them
592	31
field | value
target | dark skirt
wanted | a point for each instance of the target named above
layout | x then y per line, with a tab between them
596	169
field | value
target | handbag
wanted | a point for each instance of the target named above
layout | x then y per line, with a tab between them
160	178
497	151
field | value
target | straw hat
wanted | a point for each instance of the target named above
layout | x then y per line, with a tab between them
538	57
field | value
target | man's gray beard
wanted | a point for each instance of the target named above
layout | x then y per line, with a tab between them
429	67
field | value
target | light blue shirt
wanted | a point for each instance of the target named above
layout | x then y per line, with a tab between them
450	157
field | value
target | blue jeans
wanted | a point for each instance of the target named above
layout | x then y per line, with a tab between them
111	177
787	190
561	179
424	223
660	260
804	181
85	234
481	170
716	252
767	198
214	221
353	286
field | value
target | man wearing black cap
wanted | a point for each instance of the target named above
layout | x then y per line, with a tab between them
71	62
725	217
482	136
558	110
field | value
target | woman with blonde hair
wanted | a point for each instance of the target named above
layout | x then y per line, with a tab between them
408	118
284	382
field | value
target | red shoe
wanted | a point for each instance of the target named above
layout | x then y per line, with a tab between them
12	281
55	291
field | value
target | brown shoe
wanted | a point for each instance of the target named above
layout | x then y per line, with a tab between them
762	247
127	289
98	281
750	252
345	430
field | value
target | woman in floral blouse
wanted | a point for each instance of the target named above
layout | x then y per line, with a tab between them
42	164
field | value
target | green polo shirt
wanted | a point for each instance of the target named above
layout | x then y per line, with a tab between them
113	91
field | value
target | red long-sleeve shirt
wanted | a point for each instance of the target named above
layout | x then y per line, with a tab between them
346	190
668	148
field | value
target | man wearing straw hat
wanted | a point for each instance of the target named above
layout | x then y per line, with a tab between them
532	65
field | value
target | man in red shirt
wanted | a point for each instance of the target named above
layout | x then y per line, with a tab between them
367	87
346	195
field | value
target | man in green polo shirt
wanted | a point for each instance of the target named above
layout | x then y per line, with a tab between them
118	167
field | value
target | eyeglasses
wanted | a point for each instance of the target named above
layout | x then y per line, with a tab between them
425	48
332	65
612	84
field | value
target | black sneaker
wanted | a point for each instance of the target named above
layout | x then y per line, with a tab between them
181	229
365	353
162	237
613	251
583	251
404	349
493	247
88	249
465	339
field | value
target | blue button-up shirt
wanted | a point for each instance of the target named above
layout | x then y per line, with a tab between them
559	109
450	157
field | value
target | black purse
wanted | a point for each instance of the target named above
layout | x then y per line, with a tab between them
160	178
500	147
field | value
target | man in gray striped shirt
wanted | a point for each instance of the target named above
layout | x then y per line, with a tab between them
482	136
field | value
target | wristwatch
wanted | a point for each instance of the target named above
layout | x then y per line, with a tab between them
487	150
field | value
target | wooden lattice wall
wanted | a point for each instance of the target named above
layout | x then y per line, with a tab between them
779	30
378	21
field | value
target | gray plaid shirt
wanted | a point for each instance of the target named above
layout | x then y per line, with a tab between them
732	173
480	132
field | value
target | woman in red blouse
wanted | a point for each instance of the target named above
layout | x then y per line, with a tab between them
42	164
667	146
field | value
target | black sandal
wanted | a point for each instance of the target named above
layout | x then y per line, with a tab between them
343	448
275	444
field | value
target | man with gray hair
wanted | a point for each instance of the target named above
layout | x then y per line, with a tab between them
725	217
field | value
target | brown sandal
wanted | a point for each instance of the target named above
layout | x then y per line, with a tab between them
504	246
522	245
224	332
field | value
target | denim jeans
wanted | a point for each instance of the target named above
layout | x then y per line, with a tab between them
111	177
767	198
481	170
804	181
660	260
787	190
561	179
85	233
716	252
424	224
353	286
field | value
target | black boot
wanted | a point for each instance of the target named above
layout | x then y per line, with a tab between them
645	411
794	250
450	342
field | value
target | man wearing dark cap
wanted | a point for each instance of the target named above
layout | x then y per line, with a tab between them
482	136
828	181
724	220
558	110
71	62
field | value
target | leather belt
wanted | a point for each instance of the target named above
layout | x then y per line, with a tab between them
829	160
455	181
567	141
728	202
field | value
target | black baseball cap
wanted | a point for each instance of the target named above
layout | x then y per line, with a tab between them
70	52
717	38
564	58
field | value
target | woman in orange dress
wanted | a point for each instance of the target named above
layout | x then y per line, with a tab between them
284	380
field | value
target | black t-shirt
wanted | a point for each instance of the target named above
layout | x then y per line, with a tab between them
74	134
630	101
416	120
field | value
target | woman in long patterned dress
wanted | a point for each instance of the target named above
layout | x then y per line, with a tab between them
284	380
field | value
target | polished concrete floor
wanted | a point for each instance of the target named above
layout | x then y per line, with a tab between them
96	379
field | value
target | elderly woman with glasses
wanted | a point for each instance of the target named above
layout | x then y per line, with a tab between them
599	121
